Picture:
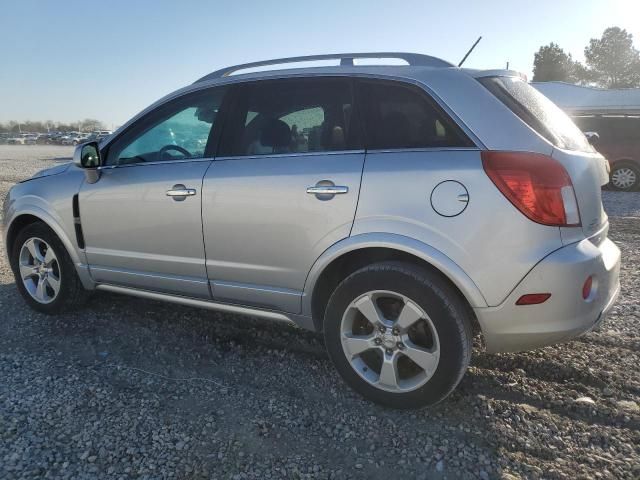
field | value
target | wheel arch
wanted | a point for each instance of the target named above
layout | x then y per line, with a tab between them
358	251
625	161
33	215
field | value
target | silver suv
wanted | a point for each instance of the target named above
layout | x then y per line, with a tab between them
397	209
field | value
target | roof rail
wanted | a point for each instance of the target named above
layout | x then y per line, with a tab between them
346	59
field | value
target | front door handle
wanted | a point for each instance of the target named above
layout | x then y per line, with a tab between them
179	192
327	190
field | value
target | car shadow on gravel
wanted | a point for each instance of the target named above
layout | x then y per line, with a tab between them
514	387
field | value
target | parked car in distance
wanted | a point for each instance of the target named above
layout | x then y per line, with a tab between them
56	137
478	209
98	135
74	138
23	139
102	133
618	139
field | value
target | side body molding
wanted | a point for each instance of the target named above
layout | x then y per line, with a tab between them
394	242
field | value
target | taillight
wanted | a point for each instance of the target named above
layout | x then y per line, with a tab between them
535	184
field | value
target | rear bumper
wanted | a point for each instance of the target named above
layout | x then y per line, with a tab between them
509	327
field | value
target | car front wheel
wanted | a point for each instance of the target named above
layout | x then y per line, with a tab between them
44	272
398	334
625	177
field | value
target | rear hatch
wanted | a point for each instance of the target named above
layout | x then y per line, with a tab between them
586	168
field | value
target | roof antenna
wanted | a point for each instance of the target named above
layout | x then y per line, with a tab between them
470	50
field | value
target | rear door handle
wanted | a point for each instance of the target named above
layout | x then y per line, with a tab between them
328	190
180	192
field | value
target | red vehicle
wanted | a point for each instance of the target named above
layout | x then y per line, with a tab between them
618	139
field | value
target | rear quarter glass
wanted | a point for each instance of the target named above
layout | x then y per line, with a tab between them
537	111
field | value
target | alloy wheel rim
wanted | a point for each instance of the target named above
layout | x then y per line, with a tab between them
624	178
390	341
39	270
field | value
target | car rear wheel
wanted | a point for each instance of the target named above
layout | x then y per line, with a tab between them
625	177
44	272
398	334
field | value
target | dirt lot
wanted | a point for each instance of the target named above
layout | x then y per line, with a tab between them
126	388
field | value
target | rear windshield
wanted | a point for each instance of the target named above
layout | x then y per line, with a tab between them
538	112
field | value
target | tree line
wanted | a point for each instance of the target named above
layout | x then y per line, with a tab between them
86	125
611	61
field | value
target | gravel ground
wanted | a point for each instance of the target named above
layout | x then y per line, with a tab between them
129	388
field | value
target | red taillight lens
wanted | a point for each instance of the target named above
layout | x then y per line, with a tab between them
535	184
533	298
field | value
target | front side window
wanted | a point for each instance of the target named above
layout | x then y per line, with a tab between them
402	116
177	131
292	116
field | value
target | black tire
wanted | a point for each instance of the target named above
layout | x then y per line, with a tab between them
449	313
71	293
619	166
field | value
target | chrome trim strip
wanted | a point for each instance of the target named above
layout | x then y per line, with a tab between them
295	154
345	152
162	162
424	149
255	287
122	271
193	302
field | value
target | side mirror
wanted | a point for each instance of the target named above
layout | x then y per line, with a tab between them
87	157
593	137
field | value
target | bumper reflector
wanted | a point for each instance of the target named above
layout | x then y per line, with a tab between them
586	288
533	298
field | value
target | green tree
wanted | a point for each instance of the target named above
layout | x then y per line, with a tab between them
612	60
551	63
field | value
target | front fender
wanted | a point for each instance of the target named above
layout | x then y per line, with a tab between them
402	244
50	200
52	220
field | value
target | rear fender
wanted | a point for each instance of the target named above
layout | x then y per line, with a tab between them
394	242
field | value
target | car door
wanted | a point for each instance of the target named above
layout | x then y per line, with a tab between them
141	220
284	187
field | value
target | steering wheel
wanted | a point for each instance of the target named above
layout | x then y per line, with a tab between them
167	148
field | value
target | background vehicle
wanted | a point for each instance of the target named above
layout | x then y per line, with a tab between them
22	139
98	135
619	141
614	114
74	138
478	207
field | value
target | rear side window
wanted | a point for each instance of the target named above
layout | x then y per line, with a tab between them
404	116
538	112
292	116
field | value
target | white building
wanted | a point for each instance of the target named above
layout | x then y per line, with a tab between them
578	100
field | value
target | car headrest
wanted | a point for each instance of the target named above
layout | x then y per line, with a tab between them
275	133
